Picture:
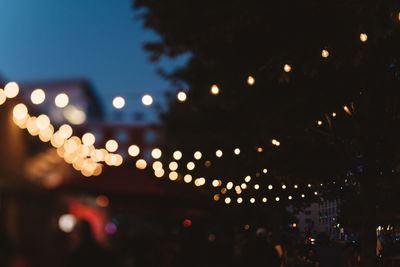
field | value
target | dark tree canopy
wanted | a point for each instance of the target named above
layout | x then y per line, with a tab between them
230	40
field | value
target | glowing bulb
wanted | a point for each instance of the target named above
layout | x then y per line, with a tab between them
141	164
363	37
181	96
252	200
173	166
265	170
38	96
67	222
197	155
278	143
236	151
325	53
111	145
227	200
283	186
20	111
270	187
250	80
147	100
133	150
264	199
177	155
173	176
309	185
295	186
218	153
42	122
216	183
247	178
156	153
290	197
277	199
214	90
157	165
302	195
287	68
187	178
61	100
274	141
190	166
88	139
199	181
118	102
65	131
3	97
243	186
256	187
229	185
11	89
239	200
315	193
319	122
333	114
159	173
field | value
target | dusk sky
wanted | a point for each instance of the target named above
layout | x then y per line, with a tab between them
99	40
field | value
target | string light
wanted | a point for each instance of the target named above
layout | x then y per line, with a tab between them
111	145
256	186
157	165
216	183
187	178
229	185
236	151
88	139
118	102
133	150
333	114
247	178
290	197
156	153
264	199
38	96
250	80
181	96
265	170
243	186
173	176
61	100
11	89
214	90
3	97
277	199
270	187
363	37
227	200
42	122
190	166
147	100
252	200
65	131
200	181
159	173
173	166
197	155
177	155
20	111
287	68
319	123
239	200
218	153
141	164
325	53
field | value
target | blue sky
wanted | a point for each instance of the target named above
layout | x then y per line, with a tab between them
99	40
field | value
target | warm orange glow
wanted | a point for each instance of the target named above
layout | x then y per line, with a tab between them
118	102
65	131
173	166
112	145
3	97
159	173
133	150
88	139
38	96
141	164
250	80
287	68
363	37
102	201
199	181
214	89
147	100
11	89
61	100
181	96
333	114
20	111
347	110
239	200
187	178
157	165
216	197
173	176
260	149
325	53
42	122
156	153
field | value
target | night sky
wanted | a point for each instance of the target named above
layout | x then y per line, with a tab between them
98	40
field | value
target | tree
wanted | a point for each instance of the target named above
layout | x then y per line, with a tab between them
344	60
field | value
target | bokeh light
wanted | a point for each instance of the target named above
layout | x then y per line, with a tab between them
65	131
111	145
147	100
177	155
250	80
88	139
287	68
141	164
118	102
181	96
38	96
133	150
67	222
102	201
214	89
20	111
156	153
11	89
61	100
